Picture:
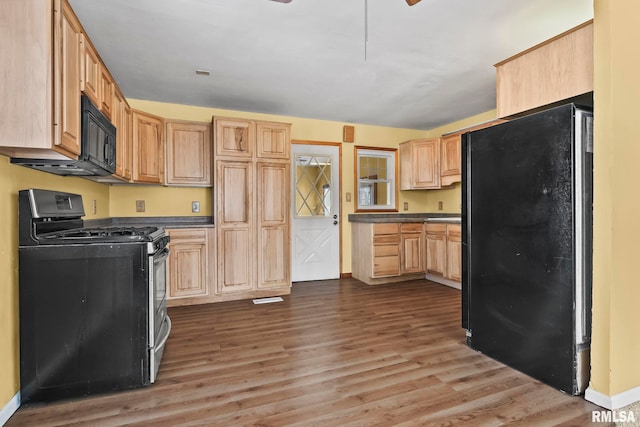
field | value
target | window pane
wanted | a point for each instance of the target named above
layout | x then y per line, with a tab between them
313	186
375	178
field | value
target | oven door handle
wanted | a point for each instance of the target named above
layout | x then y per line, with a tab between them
161	256
164	339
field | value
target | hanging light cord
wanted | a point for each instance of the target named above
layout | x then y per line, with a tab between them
366	28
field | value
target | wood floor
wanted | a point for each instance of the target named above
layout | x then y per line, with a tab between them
334	353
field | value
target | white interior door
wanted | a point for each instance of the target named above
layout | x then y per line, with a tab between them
316	212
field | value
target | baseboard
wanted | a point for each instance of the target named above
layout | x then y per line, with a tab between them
9	409
613	402
345	275
443	281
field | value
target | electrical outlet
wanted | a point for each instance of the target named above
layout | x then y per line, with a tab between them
139	205
95	207
348	197
440	205
406	206
195	207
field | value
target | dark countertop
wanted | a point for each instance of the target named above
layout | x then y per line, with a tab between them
398	217
158	221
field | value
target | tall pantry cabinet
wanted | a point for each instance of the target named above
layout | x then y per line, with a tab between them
252	205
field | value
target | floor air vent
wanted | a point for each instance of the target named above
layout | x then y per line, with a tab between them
267	300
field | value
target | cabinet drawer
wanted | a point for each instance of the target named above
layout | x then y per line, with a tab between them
190	234
436	228
386	239
386	266
411	227
385	250
386	228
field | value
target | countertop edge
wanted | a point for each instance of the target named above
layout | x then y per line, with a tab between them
398	217
159	221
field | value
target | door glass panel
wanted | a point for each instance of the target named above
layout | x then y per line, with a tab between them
313	185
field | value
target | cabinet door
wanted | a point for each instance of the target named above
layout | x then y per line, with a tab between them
148	152
67	78
91	72
273	224
411	248
420	164
436	237
188	153
188	263
450	159
454	253
124	140
425	158
235	226
234	137
273	140
106	92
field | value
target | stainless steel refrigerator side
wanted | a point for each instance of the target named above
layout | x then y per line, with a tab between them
583	182
466	232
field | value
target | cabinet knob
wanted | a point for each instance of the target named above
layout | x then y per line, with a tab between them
335	222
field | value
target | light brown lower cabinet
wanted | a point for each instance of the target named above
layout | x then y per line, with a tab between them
387	252
444	252
411	248
454	253
191	266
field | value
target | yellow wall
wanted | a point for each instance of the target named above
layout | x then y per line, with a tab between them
616	288
159	201
12	179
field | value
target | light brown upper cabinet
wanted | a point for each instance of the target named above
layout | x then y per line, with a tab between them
450	159
234	137
420	164
188	151
91	72
272	140
122	120
97	82
148	148
557	69
106	93
40	82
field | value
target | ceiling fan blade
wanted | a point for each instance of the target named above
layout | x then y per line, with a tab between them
286	1
412	2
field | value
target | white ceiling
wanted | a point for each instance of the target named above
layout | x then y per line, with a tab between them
421	67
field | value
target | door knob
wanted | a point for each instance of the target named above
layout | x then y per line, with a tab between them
335	222
335	217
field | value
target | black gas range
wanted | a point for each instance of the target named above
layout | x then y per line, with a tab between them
93	313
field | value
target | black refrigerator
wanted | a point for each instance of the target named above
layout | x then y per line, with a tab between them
527	244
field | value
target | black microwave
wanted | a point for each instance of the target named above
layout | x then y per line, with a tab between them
97	152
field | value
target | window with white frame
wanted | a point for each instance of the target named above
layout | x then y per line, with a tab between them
375	179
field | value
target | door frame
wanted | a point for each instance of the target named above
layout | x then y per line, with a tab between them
332	144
